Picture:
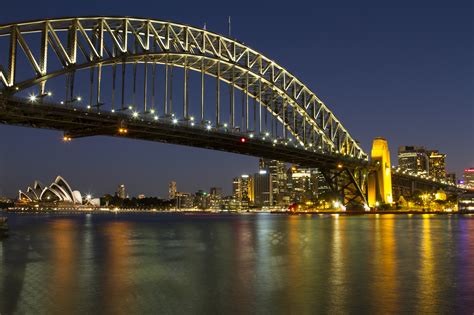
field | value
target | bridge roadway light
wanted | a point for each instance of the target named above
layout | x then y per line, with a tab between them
33	98
135	114
175	121
208	127
155	117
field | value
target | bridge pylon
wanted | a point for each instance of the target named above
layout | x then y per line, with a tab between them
380	179
349	184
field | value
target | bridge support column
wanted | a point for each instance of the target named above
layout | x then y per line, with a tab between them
349	184
380	180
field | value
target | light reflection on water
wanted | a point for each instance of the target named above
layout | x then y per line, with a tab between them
144	263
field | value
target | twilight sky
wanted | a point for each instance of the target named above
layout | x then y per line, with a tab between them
401	69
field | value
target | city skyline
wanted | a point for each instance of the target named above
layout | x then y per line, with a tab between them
395	81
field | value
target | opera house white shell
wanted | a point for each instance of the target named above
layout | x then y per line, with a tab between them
58	191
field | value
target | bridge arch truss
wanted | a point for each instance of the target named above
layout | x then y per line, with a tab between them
63	47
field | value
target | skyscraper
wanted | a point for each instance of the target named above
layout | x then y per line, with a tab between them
172	190
303	183
413	159
121	191
262	184
437	163
242	188
277	171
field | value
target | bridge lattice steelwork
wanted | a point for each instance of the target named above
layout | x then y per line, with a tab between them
163	81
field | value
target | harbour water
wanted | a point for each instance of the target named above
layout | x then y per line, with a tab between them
241	264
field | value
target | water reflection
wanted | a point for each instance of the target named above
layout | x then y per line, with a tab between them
385	278
238	264
117	291
63	284
426	289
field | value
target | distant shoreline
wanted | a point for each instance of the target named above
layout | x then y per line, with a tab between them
111	212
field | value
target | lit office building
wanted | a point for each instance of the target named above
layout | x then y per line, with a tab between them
215	198
262	188
413	159
437	164
469	177
242	189
183	200
202	200
303	184
172	190
277	171
121	192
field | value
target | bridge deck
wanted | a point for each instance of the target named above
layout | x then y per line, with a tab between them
80	123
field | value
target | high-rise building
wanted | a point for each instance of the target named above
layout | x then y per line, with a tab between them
183	200
277	171
437	164
215	191
202	200
469	177
262	188
303	184
121	191
413	159
215	197
172	190
242	189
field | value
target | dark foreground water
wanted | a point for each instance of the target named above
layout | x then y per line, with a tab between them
265	264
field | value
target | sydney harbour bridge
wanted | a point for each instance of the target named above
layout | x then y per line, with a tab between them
168	82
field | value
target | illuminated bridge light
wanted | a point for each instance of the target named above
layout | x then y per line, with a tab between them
33	98
251	135
175	121
49	93
79	98
225	125
266	134
135	114
88	107
152	111
113	110
155	117
208	127
243	140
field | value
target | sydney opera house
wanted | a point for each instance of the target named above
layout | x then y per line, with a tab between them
59	194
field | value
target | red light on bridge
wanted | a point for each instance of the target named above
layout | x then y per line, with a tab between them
243	140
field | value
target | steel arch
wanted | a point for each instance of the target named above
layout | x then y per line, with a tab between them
83	42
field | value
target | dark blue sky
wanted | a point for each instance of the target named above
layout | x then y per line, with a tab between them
402	70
